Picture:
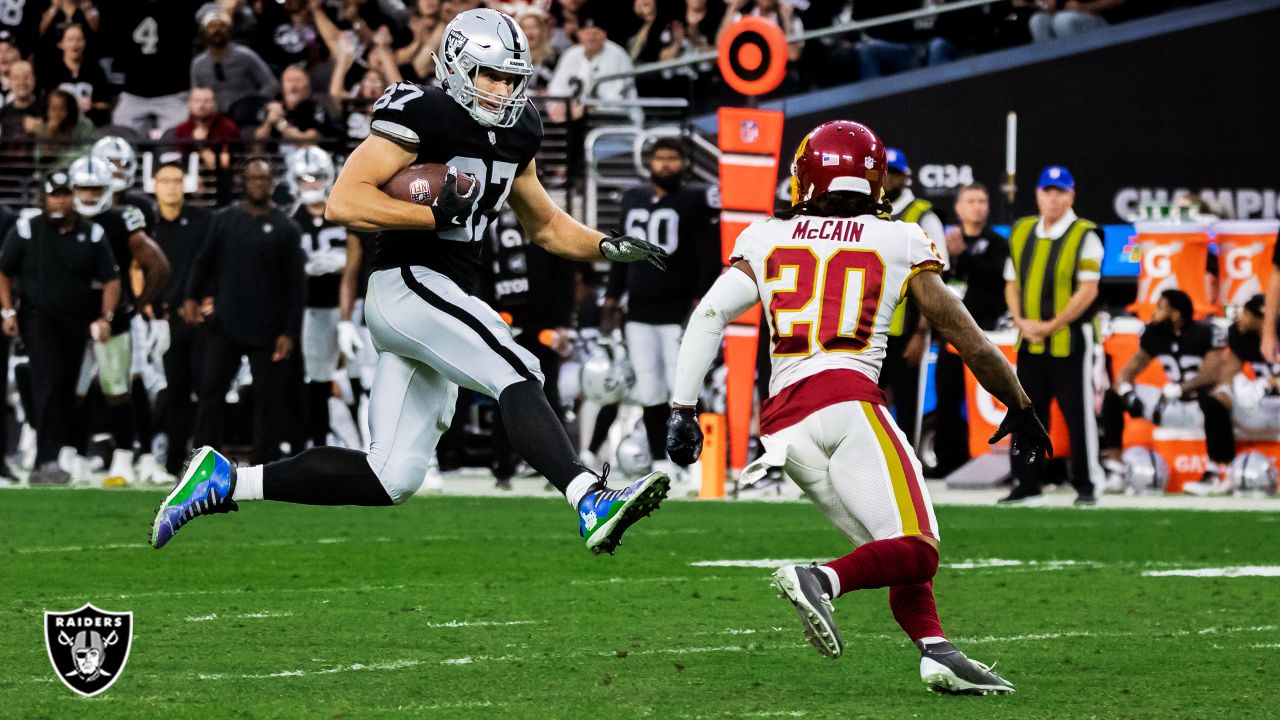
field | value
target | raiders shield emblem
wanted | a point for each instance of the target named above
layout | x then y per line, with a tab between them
88	647
453	44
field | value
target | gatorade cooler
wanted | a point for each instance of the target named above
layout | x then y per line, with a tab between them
1174	256
1245	249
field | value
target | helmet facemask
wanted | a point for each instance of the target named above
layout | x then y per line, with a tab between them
90	173
479	39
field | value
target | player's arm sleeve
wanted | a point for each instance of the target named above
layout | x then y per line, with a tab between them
923	252
932	226
1090	265
400	121
730	296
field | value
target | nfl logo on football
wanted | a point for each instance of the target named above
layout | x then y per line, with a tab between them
420	191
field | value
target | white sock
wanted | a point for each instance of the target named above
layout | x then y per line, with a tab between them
835	580
248	484
579	487
927	641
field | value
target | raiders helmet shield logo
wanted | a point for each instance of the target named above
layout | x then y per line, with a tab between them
420	191
88	647
453	44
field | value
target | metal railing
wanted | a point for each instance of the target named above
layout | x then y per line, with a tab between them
829	31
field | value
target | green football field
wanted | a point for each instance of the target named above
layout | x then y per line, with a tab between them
456	607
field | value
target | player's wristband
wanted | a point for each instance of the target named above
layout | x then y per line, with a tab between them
8	313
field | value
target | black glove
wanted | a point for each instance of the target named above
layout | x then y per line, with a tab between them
625	248
451	209
684	436
1030	441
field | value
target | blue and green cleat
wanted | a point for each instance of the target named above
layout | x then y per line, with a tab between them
205	489
605	514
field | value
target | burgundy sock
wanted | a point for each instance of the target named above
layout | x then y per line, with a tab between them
885	563
914	609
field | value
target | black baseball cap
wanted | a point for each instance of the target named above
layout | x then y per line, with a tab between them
56	181
1255	305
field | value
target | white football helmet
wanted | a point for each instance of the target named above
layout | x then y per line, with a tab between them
606	374
120	157
1253	473
485	38
89	173
633	456
1145	471
311	175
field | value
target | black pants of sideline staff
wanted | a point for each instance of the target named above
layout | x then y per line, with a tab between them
183	366
1069	381
55	346
270	395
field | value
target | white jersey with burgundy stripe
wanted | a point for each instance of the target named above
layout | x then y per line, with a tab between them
829	287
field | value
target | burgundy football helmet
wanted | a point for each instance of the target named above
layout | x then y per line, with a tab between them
838	155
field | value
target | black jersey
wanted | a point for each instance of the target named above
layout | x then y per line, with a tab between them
1180	354
180	240
426	120
1248	347
324	244
520	278
151	41
120	223
144	204
685	223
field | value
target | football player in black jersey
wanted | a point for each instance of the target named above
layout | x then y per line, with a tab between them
431	334
119	155
682	218
332	256
125	228
1250	404
1188	350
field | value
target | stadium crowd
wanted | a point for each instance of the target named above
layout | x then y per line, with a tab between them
284	78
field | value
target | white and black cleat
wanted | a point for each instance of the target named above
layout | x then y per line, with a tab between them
801	586
946	670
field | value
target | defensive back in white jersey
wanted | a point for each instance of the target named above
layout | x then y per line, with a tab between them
829	287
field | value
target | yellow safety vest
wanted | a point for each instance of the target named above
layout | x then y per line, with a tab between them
911	213
1046	271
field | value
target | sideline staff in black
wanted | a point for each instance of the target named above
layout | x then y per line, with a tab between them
1051	283
978	255
250	284
61	258
180	231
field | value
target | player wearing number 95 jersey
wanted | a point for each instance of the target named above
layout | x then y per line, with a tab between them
830	273
431	334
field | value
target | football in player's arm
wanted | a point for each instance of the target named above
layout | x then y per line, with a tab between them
358	203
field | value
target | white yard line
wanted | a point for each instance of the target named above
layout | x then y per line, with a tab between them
480	623
1230	571
241	616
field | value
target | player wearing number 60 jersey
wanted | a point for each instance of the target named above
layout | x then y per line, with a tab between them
431	334
830	273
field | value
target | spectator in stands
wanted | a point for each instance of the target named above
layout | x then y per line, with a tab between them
378	71
426	26
536	26
80	76
779	12
62	13
645	45
19	24
206	130
565	17
700	25
63	134
899	46
285	33
594	56
296	118
1072	17
9	54
240	79
154	55
23	109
